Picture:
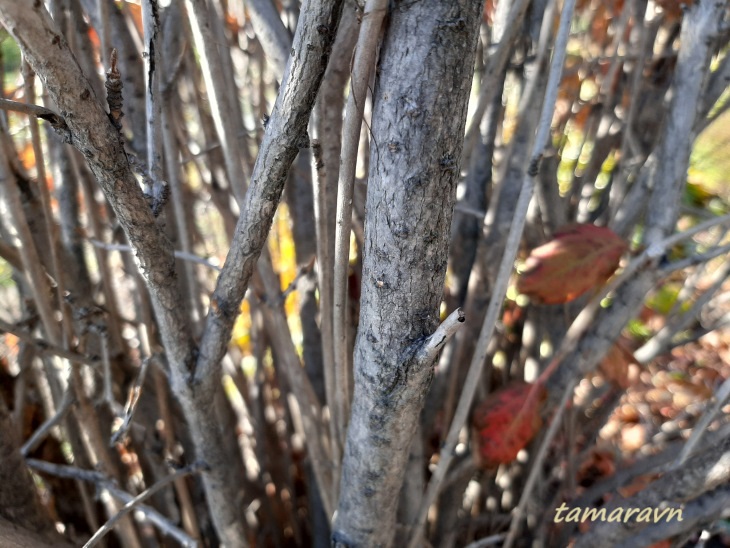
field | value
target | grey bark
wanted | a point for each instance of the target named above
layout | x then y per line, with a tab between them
418	124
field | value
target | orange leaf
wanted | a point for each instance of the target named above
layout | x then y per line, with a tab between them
507	421
579	258
27	156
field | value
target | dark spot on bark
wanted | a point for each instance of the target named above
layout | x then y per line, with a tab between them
368	492
322	29
371	338
401	230
380	441
454	24
413	183
447	162
56	41
85	94
292	52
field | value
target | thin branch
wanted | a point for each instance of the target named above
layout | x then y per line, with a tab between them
285	132
271	33
325	272
68	472
132	400
364	59
695	260
491	540
721	397
11	256
147	493
220	99
662	340
505	270
697	514
302	271
178	254
300	385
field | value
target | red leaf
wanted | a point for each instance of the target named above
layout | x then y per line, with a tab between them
579	258
507	421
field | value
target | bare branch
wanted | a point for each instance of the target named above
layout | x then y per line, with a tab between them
365	51
101	480
178	254
271	32
144	495
284	135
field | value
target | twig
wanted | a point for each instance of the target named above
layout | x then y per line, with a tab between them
466	210
284	132
56	120
695	260
433	344
697	514
147	493
108	394
11	255
158	190
721	397
364	59
505	269
661	340
67	472
132	400
271	33
302	271
178	254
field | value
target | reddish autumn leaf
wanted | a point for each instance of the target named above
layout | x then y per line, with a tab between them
579	258
507	421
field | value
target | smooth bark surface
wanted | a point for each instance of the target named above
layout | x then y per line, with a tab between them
418	124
